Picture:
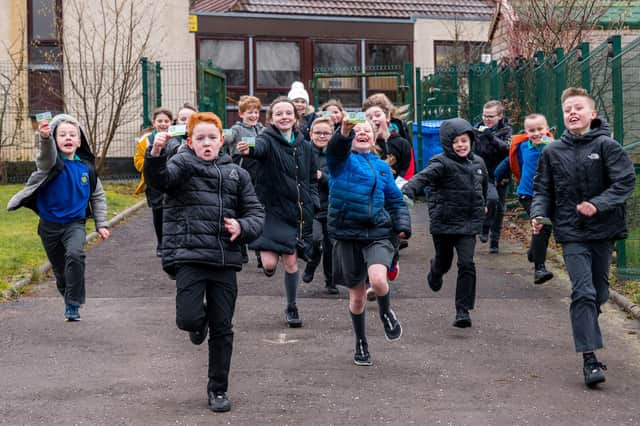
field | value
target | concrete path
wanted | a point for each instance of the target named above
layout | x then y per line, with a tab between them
127	363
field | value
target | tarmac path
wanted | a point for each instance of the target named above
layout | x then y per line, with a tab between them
127	363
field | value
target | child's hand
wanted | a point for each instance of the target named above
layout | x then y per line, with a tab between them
44	129
585	208
104	233
159	142
318	174
347	126
233	227
536	226
243	148
402	235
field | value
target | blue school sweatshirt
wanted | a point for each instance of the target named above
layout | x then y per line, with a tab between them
66	197
530	155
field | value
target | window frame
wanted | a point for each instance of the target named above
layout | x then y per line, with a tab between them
285	90
467	44
408	44
43	69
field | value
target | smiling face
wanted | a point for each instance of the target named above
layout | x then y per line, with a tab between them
183	115
578	111
364	138
161	123
536	128
320	134
67	139
205	140
250	116
283	117
491	116
378	117
462	145
336	113
301	105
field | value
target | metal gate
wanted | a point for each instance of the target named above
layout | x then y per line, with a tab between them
212	91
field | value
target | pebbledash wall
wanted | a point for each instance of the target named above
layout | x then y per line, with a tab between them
170	41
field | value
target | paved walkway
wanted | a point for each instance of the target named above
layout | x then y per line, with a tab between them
126	362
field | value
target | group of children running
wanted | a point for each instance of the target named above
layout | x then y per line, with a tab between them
327	188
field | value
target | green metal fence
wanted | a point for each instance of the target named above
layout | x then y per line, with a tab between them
609	72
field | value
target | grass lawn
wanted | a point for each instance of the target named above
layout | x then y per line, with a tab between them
21	250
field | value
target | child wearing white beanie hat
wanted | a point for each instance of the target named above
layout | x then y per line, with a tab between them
298	92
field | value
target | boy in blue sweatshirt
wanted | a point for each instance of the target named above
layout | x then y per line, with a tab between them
523	160
64	191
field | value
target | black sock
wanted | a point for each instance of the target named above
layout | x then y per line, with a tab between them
291	285
384	303
358	326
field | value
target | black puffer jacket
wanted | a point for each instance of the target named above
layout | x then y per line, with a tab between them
591	167
288	188
493	145
198	195
396	151
323	184
457	185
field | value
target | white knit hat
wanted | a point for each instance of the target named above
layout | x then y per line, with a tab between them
297	92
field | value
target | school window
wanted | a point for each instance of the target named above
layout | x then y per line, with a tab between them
229	56
448	53
277	64
328	57
45	56
394	55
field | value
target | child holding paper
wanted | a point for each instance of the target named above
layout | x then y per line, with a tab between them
64	191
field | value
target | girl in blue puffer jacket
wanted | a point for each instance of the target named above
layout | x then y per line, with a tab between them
365	208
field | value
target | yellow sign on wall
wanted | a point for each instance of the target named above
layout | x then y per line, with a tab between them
193	23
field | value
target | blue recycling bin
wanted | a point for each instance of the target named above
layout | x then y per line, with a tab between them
430	141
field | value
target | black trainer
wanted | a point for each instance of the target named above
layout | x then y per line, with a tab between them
434	281
197	337
541	275
483	237
392	327
307	277
292	317
332	289
463	320
593	372
361	356
218	402
494	247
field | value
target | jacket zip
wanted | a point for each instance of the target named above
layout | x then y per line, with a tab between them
220	218
299	198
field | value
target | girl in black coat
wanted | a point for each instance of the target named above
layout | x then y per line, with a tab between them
287	186
457	181
210	209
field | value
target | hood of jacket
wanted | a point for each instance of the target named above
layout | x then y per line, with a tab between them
599	127
449	129
84	151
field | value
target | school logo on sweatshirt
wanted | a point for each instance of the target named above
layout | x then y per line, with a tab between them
84	179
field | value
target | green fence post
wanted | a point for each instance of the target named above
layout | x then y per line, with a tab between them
158	85
493	82
539	82
146	122
419	107
561	82
586	70
616	82
408	82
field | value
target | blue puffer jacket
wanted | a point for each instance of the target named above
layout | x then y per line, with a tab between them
364	201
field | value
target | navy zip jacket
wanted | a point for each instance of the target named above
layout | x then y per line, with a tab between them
590	167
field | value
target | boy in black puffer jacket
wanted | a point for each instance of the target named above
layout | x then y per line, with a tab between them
210	209
457	181
582	184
